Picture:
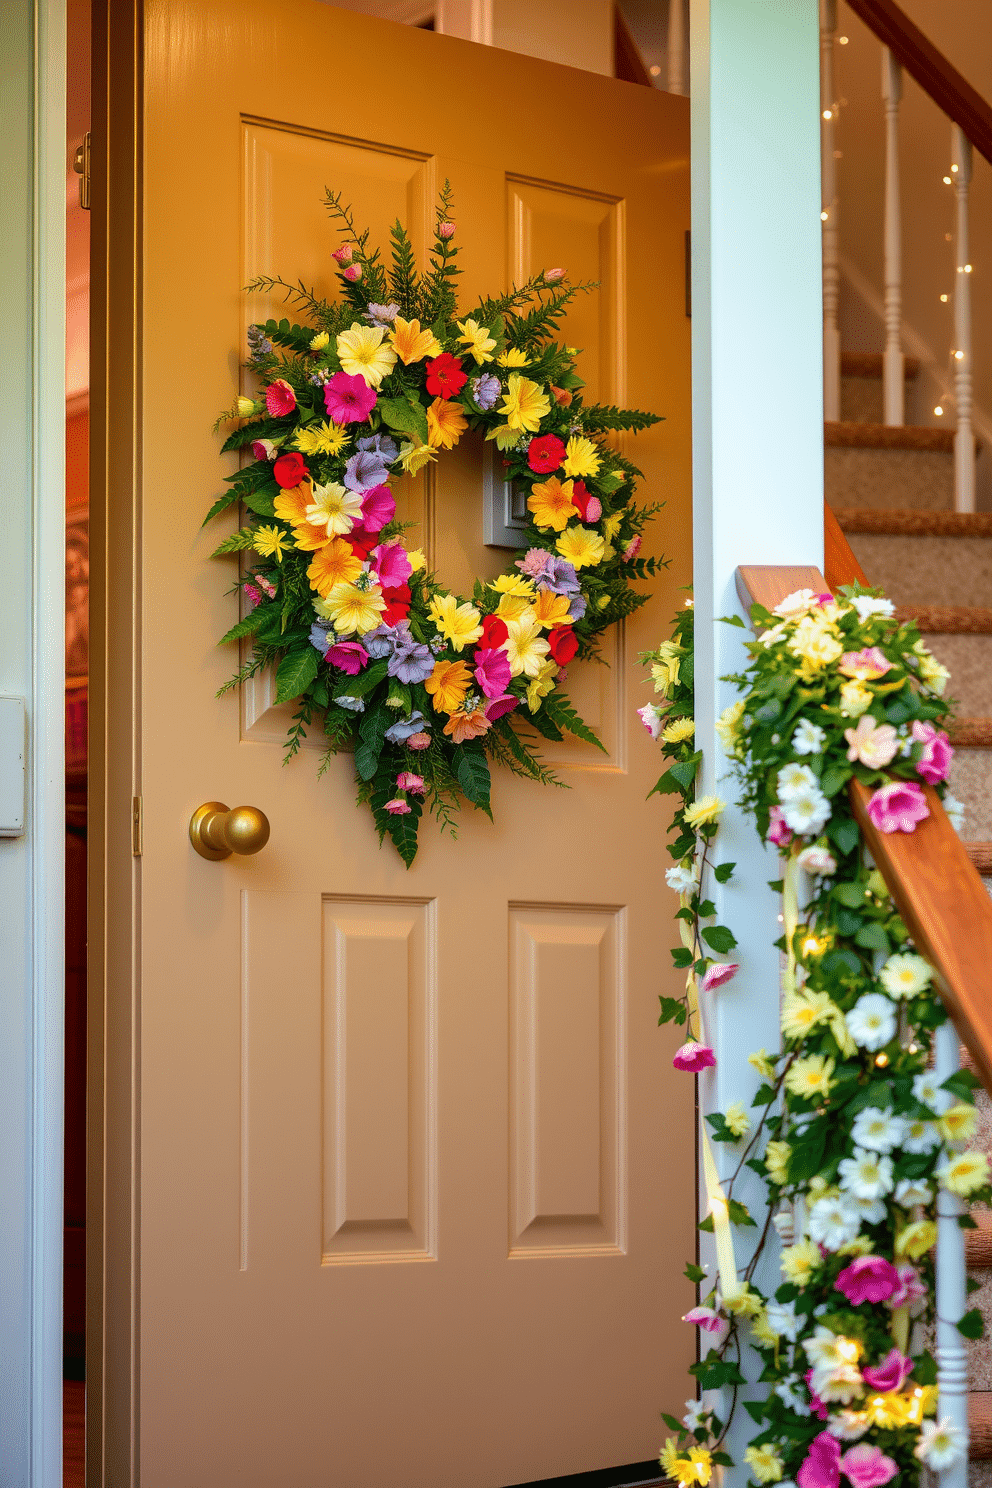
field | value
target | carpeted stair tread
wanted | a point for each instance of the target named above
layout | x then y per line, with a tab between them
898	522
980	1423
869	364
978	1243
888	436
971	733
947	619
980	854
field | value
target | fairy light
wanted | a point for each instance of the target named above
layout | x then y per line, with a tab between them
959	356
954	170
654	70
828	113
939	411
824	216
881	1061
943	299
843	40
913	1049
947	180
848	1349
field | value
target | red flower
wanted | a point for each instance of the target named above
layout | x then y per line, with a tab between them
563	644
494	633
445	376
362	542
289	470
590	507
545	454
280	399
397	605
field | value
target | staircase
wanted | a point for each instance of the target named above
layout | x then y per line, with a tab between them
892	490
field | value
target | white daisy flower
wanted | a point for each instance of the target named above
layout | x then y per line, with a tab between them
872	1021
782	1319
809	738
693	1418
806	812
872	1211
794	778
955	811
921	1136
683	880
866	1175
880	1130
843	1383
833	1222
866	605
848	1425
792	1392
905	975
926	1090
913	1191
940	1444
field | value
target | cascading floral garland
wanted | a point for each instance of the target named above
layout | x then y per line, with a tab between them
423	682
853	1133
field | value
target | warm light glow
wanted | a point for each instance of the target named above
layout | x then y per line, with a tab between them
912	1048
848	1349
939	411
954	170
959	356
654	70
881	1060
967	268
947	180
842	40
943	299
781	919
947	237
828	113
824	216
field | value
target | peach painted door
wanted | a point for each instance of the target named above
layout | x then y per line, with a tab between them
416	1174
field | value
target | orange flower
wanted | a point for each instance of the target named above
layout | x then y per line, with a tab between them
291	505
335	563
448	683
551	609
462	726
551	503
561	396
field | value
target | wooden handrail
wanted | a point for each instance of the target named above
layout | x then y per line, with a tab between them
839	562
936	76
936	889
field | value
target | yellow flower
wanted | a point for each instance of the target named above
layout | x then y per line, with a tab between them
668	1456
963	1172
551	609
410	343
514	607
679	731
810	1076
737	1119
525	646
477	341
889	1411
799	1262
696	1468
524	404
270	541
291	506
934	675
855	697
859	1247
764	1334
334	509
665	667
514	584
744	1303
362	354
916	1239
958	1124
813	645
448	683
551	503
245	407
543	683
726	725
764	1462
352	608
513	358
582	458
802	1011
580	547
417	559
334	564
706	809
611	525
762	1062
777	1156
414	455
505	437
458	623
321	439
319	341
446	423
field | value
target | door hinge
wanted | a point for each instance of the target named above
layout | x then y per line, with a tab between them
136	826
81	165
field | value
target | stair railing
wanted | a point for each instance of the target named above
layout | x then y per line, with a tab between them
904	47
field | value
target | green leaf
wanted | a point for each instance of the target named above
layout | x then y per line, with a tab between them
666	786
472	772
671	1422
723	871
739	1213
261	503
672	1010
694	1273
925	1372
755	1409
764	1095
961	1084
404	415
972	1325
719	938
221	504
843	830
682	957
365	681
236	543
731	620
706	1224
559	709
296	671
965	1222
683	772
250	624
851	894
833	778
872	937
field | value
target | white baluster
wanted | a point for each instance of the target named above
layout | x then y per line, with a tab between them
893	369
964	439
676	46
952	1353
829	214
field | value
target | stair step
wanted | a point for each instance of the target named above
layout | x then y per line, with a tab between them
980	1424
869	364
980	854
947	619
971	733
888	436
899	522
978	1243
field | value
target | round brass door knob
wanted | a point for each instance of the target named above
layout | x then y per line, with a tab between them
216	832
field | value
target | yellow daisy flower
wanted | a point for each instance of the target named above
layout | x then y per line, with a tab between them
410	343
446	423
513	584
505	437
458	623
582	457
706	809
513	358
959	1123
414	455
550	502
362	354
270	541
582	548
762	1062
525	647
551	609
334	509
524	404
448	684
799	1262
542	684
810	1076
777	1156
514	607
335	563
963	1172
291	506
321	439
802	1011
352	608
679	731
764	1462
319	341
477	341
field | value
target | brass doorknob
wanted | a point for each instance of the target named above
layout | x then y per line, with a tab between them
216	832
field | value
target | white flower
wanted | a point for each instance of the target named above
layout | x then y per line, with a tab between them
792	1393
795	604
652	719
955	811
913	1191
773	634
940	1444
843	1383
806	812
782	1319
880	1130
866	1175
929	1093
833	1222
866	605
921	1136
794	779
818	861
848	1425
785	1225
823	1350
905	975
872	1211
683	880
693	1418
872	1021
809	738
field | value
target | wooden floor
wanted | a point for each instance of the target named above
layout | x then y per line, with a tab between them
73	1435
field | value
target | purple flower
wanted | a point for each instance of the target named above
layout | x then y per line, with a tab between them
319	636
501	705
485	390
379	642
536	563
406	728
381	445
365	470
935	761
560	577
258	343
492	671
411	664
577	607
382	314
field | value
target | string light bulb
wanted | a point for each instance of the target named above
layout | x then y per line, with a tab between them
828	113
843	40
947	180
939	411
654	70
824	216
959	356
954	170
881	1060
943	299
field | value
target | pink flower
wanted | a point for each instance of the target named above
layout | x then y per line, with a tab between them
706	1318
865	665
263	449
694	1057
280	398
823	600
719	973
348	400
347	656
266	585
935	761
909	1288
822	1467
867	1466
867	1279
345	253
397	807
897	807
871	743
253	594
632	549
551	276
391	564
407	781
446	229
816	1405
354	273
891	1373
652	720
419	741
492	672
778	833
378	508
498	706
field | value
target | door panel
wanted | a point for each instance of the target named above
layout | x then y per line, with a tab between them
414	1163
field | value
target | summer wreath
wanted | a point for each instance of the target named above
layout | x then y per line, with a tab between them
428	686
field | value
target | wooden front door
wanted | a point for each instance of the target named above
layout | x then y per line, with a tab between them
414	1178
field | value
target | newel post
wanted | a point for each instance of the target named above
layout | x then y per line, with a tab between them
757	438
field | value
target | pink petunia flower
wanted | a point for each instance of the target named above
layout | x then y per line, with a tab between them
279	398
816	1405
823	600
345	253
348	400
719	973
398	807
378	508
779	834
865	665
500	705
935	762
898	806
353	273
867	1279
707	1319
874	744
822	1467
391	564
891	1373
867	1467
263	449
419	741
407	781
492	672
347	656
910	1287
694	1057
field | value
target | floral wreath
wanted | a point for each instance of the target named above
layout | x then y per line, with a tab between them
853	1130
428	686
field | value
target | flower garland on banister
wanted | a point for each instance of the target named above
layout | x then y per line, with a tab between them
849	1128
427	686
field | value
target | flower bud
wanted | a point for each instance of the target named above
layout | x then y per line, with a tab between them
246	407
345	253
551	276
353	272
446	229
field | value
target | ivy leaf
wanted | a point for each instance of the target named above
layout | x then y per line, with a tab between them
671	1422
755	1409
296	671
683	772
843	831
851	894
972	1325
739	1213
965	1222
872	937
961	1084
694	1273
666	786
682	957
723	871
764	1096
719	938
